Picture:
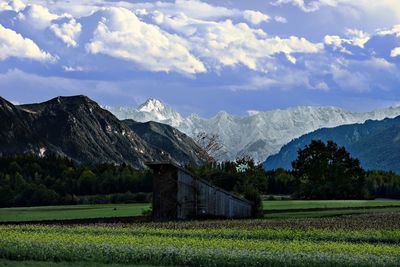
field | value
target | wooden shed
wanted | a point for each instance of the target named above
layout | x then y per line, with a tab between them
178	194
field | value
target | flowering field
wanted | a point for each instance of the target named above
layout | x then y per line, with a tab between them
366	240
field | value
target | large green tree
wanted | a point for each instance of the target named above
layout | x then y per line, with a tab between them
326	171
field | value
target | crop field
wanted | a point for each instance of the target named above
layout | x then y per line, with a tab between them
356	240
273	209
328	213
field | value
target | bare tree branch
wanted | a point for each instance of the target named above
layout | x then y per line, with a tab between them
211	144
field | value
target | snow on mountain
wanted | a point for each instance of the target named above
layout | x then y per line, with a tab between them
258	135
151	110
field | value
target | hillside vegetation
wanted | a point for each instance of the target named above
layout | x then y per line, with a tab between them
375	143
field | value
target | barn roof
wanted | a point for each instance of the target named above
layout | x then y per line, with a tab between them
153	165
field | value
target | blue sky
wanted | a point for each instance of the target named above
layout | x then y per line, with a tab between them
203	56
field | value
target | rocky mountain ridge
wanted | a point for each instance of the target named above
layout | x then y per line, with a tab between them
259	135
78	128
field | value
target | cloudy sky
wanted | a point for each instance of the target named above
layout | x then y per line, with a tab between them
203	56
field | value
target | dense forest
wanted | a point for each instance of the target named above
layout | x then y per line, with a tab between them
29	180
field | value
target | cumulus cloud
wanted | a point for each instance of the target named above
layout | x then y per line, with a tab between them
68	32
255	17
395	52
13	44
228	44
191	37
14	5
64	26
122	35
395	30
353	38
37	16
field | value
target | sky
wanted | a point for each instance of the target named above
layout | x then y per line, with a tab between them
203	56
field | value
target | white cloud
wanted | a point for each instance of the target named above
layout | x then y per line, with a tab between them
273	80
64	26
368	14
13	44
189	37
306	7
349	79
395	30
37	16
196	9
395	52
363	75
322	86
227	44
379	63
255	17
280	19
357	37
122	35
68	32
73	69
15	5
192	8
392	6
252	112
354	38
333	40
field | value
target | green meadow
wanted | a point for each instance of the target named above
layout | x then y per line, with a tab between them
272	208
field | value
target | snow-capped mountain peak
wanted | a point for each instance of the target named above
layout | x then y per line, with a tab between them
259	135
152	105
151	110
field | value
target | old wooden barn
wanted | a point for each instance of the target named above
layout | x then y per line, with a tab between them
178	194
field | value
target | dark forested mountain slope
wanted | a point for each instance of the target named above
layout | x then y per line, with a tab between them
169	139
15	124
76	127
375	143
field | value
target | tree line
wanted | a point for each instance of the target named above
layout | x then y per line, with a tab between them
321	171
326	171
29	180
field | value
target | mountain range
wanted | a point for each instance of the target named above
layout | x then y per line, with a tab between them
375	143
78	128
259	135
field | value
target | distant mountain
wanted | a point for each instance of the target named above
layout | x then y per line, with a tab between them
151	110
259	135
80	129
375	143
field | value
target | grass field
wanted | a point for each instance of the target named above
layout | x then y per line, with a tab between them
9	263
325	204
127	210
304	208
71	212
362	240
